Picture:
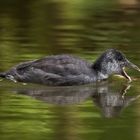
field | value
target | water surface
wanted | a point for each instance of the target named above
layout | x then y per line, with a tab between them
32	29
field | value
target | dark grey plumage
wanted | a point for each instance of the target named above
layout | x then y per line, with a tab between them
69	70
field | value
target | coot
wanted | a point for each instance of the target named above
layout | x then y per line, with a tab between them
70	70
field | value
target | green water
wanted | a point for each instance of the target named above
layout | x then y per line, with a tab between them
30	29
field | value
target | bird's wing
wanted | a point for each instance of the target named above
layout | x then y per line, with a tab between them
59	64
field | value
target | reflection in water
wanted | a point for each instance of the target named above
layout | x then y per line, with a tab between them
110	101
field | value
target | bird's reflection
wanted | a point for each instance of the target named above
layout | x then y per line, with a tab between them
110	101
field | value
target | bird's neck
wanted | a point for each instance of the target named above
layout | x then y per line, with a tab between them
101	73
101	76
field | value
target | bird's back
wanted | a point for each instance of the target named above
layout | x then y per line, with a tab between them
63	65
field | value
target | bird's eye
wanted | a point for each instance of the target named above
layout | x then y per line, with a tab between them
119	57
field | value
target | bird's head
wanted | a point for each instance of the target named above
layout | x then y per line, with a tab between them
113	61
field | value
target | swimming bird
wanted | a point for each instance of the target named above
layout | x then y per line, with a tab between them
65	70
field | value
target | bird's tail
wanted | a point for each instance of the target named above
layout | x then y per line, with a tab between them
2	74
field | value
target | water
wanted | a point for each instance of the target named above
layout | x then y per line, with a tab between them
32	29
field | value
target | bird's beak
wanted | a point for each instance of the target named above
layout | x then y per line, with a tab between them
131	65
